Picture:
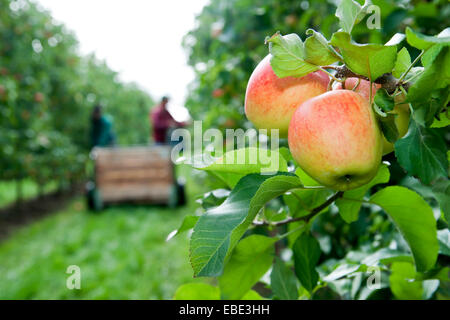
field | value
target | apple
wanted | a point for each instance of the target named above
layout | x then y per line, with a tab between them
291	20
270	101
402	115
335	138
401	111
39	97
229	123
363	87
3	92
218	93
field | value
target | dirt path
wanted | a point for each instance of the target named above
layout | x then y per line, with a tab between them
14	217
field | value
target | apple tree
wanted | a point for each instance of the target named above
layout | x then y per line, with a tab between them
47	92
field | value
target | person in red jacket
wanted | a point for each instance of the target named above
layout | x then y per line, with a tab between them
162	121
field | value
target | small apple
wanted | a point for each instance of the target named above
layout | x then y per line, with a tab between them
335	138
218	93
229	123
216	31
291	20
270	101
39	97
401	111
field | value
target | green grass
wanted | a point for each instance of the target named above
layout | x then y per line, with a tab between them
121	251
8	191
122	254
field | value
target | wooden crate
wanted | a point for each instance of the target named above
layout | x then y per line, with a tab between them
134	174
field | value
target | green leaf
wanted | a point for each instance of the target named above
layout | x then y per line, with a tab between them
422	152
425	112
387	256
230	179
213	198
396	39
402	64
423	42
414	218
429	288
283	282
318	51
389	128
250	260
306	179
370	60
443	121
197	291
219	229
252	295
431	54
384	100
306	256
286	153
441	191
435	76
288	56
350	204
402	282
248	160
300	202
348	12
342	271
444	242
188	223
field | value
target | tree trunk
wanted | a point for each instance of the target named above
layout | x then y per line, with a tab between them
19	192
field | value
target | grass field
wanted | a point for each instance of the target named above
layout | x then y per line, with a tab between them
121	251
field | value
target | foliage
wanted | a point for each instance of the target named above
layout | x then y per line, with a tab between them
47	91
322	243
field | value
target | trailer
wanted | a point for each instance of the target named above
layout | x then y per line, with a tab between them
142	175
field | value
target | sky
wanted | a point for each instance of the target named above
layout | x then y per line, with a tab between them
141	39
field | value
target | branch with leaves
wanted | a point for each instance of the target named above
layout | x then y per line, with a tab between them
223	243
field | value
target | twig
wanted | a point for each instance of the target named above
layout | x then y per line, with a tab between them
306	218
387	80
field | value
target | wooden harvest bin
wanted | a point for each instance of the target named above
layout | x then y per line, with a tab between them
133	174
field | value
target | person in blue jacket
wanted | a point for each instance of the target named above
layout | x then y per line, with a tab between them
102	134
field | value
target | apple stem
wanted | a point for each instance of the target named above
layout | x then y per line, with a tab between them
330	85
357	85
331	75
